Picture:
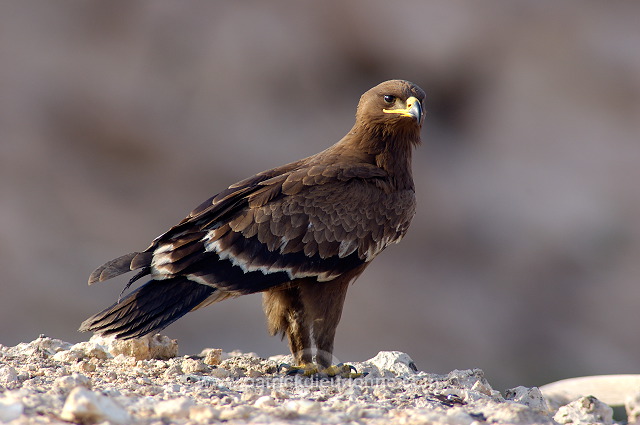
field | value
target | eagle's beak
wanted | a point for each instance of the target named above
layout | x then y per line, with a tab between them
413	110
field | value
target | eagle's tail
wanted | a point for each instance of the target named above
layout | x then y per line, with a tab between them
152	307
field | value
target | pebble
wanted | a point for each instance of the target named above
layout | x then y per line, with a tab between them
93	348
396	362
10	409
585	410
68	356
64	384
85	366
145	348
193	366
42	345
632	406
234	413
173	370
264	401
178	408
86	407
531	397
516	413
219	372
204	414
212	356
8	375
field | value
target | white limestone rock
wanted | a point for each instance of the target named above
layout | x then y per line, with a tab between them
531	397
41	345
193	366
86	407
10	408
632	406
585	410
395	362
203	414
145	348
177	408
8	375
65	384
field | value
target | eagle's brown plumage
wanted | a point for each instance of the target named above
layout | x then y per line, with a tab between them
300	233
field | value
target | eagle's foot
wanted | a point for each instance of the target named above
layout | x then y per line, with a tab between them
314	371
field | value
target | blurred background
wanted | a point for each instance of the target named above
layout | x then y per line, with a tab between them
117	118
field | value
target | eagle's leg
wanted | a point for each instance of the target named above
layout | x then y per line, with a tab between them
310	309
286	315
323	303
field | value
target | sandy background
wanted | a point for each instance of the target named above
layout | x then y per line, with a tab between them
117	118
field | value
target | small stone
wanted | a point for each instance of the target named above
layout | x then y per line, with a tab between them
372	413
531	397
459	417
514	413
212	356
239	412
308	407
203	413
87	367
85	406
249	396
111	376
173	370
354	411
10	409
396	362
67	356
8	375
264	401
171	388
193	366
279	394
294	408
174	409
632	406
254	373
484	388
94	348
220	372
42	345
64	384
353	391
145	348
585	409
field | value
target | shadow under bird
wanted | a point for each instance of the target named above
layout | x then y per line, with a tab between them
299	233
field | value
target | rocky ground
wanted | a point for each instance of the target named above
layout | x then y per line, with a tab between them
49	381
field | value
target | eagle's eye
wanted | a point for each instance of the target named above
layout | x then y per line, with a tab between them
389	98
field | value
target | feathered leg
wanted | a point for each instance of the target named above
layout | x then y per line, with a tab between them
285	315
323	303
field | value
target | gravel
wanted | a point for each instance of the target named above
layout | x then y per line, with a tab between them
49	381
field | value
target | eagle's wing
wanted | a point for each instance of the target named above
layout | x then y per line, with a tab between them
296	221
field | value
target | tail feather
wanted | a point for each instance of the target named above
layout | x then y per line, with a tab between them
152	307
121	265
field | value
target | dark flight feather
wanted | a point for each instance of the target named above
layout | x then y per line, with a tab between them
152	307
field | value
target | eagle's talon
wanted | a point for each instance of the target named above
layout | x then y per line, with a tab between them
308	369
346	371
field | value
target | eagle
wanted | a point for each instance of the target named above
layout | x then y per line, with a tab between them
300	233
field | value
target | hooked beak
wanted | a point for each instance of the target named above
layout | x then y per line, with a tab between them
413	110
